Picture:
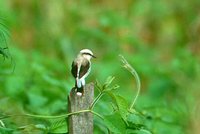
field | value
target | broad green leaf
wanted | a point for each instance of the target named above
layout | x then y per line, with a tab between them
115	123
59	126
135	122
99	126
122	105
5	130
135	119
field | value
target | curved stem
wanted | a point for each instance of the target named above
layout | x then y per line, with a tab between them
127	66
138	88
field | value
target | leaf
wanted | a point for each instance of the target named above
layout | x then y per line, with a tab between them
135	122
122	105
115	123
5	130
4	33
59	126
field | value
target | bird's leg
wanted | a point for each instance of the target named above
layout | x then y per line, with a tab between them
83	85
83	82
80	86
78	83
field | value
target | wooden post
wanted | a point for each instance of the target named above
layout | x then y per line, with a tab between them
81	123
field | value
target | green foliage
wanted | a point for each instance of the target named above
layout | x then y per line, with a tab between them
121	120
3	39
59	126
159	38
115	123
122	105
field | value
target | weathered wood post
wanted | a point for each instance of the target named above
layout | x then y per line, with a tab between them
81	123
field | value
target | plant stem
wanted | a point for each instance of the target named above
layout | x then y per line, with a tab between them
96	100
59	116
52	117
97	115
138	83
127	66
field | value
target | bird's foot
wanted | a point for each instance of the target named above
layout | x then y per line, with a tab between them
79	94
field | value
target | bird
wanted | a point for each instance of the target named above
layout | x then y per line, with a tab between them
80	69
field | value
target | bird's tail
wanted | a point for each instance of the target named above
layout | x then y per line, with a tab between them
79	87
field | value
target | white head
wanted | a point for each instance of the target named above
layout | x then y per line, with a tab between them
87	54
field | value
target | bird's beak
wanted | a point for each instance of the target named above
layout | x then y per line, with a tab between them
94	56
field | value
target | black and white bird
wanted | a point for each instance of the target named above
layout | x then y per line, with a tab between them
81	67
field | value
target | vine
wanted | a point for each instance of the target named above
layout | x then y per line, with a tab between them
127	66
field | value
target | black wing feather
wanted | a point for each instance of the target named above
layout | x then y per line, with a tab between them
74	69
83	70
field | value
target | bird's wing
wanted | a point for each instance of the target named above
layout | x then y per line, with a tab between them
84	69
80	69
74	69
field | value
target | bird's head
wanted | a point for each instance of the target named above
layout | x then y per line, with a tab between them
87	54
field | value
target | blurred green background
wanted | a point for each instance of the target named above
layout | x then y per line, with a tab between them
160	39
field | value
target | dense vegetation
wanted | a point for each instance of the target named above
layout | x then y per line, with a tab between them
159	39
